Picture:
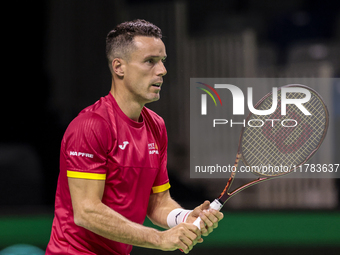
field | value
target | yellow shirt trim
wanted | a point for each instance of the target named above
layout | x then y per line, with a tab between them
82	175
161	188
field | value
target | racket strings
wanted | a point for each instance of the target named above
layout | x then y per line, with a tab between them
284	140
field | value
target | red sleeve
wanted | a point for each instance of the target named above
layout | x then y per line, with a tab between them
86	144
161	182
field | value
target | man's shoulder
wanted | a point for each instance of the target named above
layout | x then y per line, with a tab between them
150	115
99	108
93	117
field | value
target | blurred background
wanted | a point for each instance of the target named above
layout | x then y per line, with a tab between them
55	66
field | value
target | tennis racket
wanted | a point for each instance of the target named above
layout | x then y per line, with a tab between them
287	140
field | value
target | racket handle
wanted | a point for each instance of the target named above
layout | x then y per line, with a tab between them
216	205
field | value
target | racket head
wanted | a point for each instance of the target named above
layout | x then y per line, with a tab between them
283	148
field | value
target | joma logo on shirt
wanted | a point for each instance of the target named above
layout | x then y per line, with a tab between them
81	154
122	147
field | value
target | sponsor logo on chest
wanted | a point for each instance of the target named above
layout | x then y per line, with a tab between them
153	148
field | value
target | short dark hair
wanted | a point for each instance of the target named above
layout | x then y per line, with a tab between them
119	41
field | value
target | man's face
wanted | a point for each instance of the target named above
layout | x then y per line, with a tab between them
144	71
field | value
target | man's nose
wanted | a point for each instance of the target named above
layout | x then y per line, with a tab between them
161	71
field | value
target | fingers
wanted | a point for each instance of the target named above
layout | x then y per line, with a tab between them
205	205
195	213
210	219
184	236
190	236
200	240
194	229
207	223
187	244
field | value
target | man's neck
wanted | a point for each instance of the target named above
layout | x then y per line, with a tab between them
129	107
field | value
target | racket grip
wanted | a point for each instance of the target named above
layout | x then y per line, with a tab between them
216	205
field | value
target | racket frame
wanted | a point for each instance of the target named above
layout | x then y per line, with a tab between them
226	195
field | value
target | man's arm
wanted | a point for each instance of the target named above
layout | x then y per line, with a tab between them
92	214
161	204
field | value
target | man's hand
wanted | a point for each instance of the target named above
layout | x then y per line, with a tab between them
183	236
210	217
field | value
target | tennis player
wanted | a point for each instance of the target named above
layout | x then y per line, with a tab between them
113	162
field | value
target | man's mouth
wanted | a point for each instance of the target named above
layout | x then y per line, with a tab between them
157	85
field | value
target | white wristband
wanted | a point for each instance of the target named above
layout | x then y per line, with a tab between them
177	216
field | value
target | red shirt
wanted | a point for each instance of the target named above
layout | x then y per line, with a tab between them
102	143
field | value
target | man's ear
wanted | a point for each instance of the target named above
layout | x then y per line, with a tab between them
118	67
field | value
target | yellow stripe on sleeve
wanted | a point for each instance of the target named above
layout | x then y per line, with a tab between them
161	188
82	175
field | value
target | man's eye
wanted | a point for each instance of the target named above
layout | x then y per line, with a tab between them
163	60
150	61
